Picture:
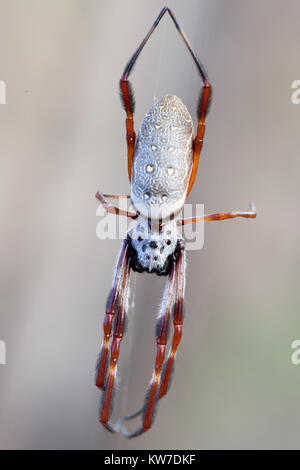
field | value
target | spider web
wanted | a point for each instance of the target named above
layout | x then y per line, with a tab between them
162	54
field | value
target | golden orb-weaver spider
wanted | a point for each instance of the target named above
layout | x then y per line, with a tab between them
162	166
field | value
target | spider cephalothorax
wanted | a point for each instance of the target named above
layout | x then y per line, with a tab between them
153	247
162	166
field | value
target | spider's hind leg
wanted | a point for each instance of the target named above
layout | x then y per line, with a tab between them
127	95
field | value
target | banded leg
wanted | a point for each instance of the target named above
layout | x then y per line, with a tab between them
203	105
113	209
111	308
119	326
250	214
129	104
161	342
127	97
203	108
177	324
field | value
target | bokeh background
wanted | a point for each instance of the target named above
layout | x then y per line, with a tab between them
62	137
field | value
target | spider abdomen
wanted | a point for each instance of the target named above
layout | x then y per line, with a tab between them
163	159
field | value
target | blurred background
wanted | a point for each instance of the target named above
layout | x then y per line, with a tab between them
62	137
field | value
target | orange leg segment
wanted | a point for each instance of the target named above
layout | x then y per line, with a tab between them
161	375
118	334
250	214
198	142
112	306
129	104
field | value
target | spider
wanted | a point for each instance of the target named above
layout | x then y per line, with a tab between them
162	166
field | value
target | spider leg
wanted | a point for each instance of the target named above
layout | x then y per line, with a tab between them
129	104
113	209
118	334
111	308
250	214
161	341
128	98
128	418
203	104
116	196
177	324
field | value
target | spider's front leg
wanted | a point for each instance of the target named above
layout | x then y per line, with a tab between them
120	302
115	316
178	312
111	308
172	301
161	343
